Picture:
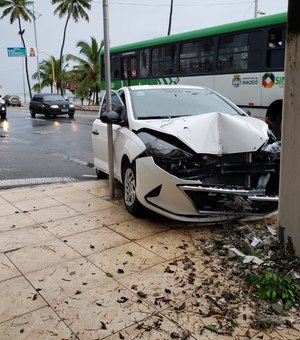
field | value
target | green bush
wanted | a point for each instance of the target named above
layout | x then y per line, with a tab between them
273	287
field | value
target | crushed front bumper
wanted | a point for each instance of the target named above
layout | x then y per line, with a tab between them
189	200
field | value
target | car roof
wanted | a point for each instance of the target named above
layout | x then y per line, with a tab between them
153	87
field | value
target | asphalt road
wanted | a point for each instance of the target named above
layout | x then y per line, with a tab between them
43	150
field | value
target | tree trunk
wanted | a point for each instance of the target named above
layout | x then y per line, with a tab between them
26	61
61	54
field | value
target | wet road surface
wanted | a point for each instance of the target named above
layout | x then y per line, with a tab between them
43	150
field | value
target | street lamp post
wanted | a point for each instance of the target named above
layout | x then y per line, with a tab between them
255	8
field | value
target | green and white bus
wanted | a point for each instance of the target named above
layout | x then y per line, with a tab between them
239	60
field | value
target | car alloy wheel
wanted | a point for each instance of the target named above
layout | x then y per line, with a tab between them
131	202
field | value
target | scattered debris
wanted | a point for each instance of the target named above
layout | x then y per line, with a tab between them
141	294
122	299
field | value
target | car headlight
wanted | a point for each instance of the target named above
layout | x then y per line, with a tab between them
2	101
159	148
54	106
72	106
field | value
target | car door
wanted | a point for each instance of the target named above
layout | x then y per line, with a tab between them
36	104
99	135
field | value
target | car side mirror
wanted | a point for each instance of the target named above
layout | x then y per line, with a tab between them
111	117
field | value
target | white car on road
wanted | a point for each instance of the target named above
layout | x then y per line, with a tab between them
187	153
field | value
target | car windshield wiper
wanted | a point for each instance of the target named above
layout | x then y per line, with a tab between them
159	117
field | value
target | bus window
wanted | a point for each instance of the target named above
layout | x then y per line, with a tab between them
233	53
275	48
129	67
256	50
115	67
169	53
156	62
275	38
133	67
196	57
124	69
144	63
163	60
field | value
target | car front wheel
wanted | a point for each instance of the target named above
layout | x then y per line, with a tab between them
131	202
71	115
32	113
47	113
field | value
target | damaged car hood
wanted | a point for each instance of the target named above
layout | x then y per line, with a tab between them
215	133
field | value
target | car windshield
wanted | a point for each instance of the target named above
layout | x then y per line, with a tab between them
169	103
53	97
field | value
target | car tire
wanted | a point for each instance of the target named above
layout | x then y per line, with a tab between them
131	202
3	116
71	115
47	114
100	174
32	114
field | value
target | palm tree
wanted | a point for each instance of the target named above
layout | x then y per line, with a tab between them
49	73
17	10
72	9
87	68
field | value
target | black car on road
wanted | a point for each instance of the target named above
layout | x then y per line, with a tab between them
50	104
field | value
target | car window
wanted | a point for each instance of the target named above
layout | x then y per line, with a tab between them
53	97
166	103
116	103
37	98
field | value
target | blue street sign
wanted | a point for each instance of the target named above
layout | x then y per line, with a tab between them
16	51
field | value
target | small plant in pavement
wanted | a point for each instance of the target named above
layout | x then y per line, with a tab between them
273	287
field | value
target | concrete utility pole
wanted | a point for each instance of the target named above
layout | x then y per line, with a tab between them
108	97
36	47
289	193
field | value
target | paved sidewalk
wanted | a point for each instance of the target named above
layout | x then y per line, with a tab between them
74	265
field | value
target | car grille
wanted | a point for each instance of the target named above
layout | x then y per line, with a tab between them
213	202
249	171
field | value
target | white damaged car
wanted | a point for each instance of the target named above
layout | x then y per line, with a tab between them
187	153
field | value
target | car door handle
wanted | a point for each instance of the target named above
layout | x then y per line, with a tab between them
95	132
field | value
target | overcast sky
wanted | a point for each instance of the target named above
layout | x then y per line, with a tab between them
130	21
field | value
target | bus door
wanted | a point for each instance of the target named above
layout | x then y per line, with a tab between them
129	69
